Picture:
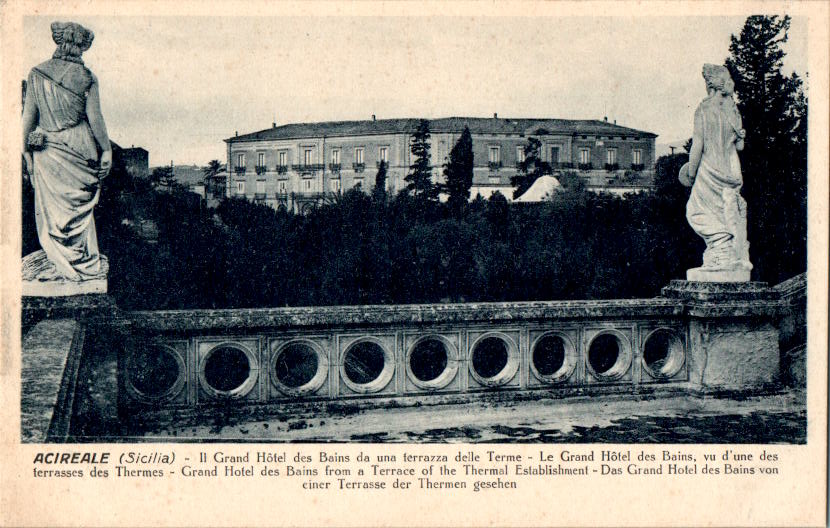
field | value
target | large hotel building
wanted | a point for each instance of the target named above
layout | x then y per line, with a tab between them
295	166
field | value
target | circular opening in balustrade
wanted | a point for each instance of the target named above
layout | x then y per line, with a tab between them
432	362
299	367
296	365
663	354
367	366
428	359
554	358
228	370
494	360
155	372
609	356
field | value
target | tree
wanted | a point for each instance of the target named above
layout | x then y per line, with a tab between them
666	171
458	172
530	168
419	180
379	191
163	176
212	182
774	160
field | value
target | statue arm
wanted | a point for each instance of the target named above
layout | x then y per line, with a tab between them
99	128
739	143
30	115
697	145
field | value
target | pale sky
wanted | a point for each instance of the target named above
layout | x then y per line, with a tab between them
178	86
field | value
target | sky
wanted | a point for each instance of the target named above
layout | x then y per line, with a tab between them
178	86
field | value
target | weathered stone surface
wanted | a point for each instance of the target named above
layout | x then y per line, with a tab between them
725	299
50	357
98	307
703	274
713	291
793	330
379	315
737	355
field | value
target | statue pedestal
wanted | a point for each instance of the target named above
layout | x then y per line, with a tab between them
40	279
733	333
716	275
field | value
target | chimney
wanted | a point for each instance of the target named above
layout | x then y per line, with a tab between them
374	118
495	115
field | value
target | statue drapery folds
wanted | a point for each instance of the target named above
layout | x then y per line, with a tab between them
66	153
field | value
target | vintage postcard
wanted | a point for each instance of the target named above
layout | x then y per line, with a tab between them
414	263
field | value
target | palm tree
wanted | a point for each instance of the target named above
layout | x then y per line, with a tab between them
211	172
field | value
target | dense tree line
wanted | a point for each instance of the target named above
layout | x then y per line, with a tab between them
364	249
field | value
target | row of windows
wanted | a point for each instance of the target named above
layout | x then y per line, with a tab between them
494	156
584	155
307	186
308	156
610	156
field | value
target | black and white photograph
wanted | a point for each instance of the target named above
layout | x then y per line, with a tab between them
385	228
229	242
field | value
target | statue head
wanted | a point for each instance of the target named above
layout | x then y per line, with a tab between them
718	79
72	40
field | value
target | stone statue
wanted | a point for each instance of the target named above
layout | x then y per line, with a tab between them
716	210
67	153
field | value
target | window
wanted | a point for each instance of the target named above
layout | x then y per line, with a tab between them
260	159
637	157
308	156
335	156
335	185
383	154
358	155
283	158
240	187
520	154
554	154
584	156
282	186
495	154
240	160
260	187
307	185
611	156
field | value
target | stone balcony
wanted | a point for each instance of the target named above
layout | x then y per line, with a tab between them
694	339
273	356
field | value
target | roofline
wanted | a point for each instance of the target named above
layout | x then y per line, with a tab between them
235	139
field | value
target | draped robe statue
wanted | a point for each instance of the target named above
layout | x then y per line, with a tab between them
716	210
67	153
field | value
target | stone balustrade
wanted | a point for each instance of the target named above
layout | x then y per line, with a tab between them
695	337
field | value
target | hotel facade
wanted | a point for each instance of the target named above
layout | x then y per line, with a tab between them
296	166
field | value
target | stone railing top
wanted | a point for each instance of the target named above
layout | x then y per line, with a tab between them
793	288
720	291
381	315
680	298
